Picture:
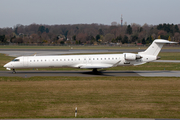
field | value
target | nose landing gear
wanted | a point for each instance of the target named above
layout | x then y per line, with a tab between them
13	71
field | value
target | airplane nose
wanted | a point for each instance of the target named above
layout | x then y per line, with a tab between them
6	65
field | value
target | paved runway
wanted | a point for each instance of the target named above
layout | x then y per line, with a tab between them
40	52
167	61
25	52
91	74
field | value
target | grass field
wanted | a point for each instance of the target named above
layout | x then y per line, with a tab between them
95	97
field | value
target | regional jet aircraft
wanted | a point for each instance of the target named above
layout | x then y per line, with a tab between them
94	62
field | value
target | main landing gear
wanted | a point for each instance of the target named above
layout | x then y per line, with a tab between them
94	71
13	71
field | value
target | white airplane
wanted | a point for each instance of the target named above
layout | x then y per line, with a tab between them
94	62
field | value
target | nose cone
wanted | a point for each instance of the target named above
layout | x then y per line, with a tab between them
6	65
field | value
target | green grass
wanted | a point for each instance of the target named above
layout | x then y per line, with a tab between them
95	97
169	56
4	59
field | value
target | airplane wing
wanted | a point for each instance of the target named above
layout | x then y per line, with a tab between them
140	63
98	66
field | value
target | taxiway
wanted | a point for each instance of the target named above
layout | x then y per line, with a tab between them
91	74
40	52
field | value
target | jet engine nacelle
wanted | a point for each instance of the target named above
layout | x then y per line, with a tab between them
131	56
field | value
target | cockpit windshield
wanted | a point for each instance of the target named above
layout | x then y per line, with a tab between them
15	60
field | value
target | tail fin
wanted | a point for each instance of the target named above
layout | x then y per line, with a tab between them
155	47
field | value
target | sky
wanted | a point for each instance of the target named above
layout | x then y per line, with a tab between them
51	12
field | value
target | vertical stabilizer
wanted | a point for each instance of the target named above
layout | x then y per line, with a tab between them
155	47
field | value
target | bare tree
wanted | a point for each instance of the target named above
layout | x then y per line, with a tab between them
108	37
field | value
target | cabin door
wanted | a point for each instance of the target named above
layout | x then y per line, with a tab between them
25	61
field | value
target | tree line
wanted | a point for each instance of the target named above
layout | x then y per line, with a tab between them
88	34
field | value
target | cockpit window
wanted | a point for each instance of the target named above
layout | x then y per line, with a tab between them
15	60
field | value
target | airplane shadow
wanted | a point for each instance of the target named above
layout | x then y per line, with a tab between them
100	73
59	73
78	73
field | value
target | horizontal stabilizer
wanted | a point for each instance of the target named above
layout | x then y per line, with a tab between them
163	41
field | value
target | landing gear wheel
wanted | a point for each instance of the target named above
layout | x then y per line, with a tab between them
13	71
94	71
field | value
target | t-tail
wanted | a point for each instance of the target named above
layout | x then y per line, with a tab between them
155	47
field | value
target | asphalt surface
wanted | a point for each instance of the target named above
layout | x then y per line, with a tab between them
26	52
40	52
90	73
167	61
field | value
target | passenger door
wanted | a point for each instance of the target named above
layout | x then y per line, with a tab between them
25	61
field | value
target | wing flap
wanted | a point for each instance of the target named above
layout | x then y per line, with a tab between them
98	66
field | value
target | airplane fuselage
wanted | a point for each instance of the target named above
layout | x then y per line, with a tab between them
96	61
76	61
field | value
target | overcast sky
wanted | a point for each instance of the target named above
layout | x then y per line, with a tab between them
52	12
